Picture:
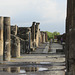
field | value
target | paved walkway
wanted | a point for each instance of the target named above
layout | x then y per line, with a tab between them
54	47
48	63
43	48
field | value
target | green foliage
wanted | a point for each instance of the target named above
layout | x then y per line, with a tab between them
51	35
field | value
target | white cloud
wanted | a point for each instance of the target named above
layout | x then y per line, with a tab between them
26	11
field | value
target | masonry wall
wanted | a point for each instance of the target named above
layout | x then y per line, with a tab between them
25	34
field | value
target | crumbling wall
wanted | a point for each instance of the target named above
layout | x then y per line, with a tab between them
25	34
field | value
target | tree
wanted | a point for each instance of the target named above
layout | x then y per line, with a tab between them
51	35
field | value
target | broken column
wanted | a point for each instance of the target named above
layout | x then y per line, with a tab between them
37	34
14	30
7	39
15	46
1	39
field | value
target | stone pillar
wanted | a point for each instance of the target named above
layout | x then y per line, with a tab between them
43	37
15	46
7	39
70	38
39	37
1	39
28	40
37	34
16	29
33	35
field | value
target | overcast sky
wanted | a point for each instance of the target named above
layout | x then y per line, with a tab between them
50	13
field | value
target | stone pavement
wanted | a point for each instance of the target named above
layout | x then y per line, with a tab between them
43	48
48	63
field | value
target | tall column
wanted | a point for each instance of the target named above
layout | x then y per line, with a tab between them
33	34
1	39
37	34
43	37
7	38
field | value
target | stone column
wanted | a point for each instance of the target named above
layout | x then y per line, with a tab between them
39	37
15	46
43	37
28	40
37	34
1	39
7	39
41	40
16	29
33	35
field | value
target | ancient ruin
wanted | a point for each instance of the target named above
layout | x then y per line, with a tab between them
16	40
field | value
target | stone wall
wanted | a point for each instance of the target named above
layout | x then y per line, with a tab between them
33	35
25	34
